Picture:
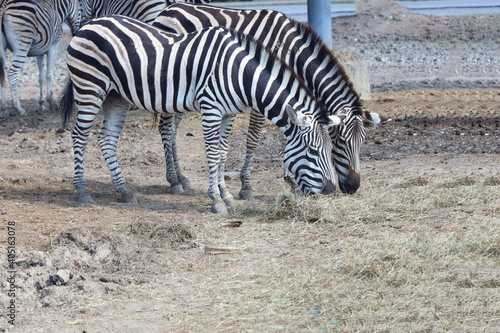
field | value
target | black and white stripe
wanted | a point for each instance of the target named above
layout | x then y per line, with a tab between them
300	47
144	10
33	28
117	60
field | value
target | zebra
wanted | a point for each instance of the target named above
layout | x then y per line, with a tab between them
144	10
300	47
117	60
33	28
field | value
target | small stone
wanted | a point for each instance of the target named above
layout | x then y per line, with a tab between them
36	258
102	251
62	277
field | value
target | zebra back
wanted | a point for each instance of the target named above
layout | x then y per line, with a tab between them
156	52
143	10
294	42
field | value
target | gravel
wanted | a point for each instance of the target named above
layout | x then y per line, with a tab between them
414	51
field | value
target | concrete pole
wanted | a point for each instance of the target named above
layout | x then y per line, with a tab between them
319	17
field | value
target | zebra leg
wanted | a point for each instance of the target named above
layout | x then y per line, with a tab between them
80	136
211	123
186	184
253	138
51	61
4	112
225	131
18	62
115	110
41	81
166	128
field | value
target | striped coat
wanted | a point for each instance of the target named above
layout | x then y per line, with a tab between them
116	60
33	28
299	46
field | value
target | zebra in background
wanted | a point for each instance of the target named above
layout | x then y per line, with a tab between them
118	60
300	47
33	28
144	10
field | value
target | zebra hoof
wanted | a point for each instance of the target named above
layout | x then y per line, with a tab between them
219	208
177	189
247	195
84	198
229	200
186	184
52	105
128	198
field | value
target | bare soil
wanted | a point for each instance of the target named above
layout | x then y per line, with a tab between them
110	266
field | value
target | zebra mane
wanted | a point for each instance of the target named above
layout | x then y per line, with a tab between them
268	55
321	49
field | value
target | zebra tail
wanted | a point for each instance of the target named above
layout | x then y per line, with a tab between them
67	103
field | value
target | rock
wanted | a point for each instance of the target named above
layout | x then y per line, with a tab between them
62	277
357	71
36	258
102	251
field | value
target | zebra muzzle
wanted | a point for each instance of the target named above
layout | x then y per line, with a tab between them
329	187
351	184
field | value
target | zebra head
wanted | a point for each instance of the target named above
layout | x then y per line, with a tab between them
346	143
308	152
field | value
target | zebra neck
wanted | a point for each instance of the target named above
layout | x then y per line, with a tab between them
321	70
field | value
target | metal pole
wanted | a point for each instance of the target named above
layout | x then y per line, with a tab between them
319	17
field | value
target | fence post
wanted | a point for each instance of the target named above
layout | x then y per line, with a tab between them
319	17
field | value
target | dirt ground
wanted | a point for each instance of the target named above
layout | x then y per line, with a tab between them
110	266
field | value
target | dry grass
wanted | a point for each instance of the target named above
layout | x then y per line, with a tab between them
407	253
416	249
394	199
416	253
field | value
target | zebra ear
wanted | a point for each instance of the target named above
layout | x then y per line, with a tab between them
298	118
374	117
336	120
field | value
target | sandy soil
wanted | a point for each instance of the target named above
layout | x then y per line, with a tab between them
111	266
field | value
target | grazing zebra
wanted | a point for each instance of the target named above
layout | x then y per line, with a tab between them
118	60
300	47
144	10
33	28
